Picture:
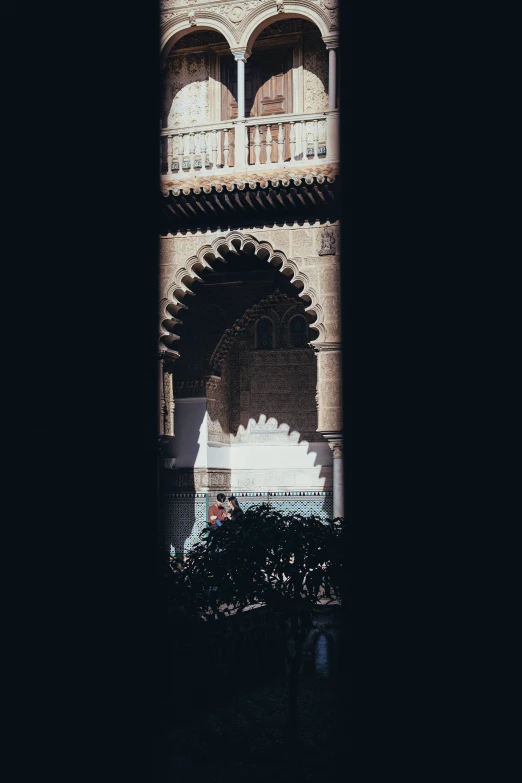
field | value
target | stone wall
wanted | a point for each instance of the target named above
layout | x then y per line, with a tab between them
304	245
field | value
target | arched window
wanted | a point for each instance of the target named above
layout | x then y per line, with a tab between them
298	331
265	333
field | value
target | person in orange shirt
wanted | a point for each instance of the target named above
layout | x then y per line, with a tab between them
217	512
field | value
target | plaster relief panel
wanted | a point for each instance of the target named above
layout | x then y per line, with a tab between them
260	480
186	90
315	61
218	411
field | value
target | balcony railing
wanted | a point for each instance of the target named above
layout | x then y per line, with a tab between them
269	142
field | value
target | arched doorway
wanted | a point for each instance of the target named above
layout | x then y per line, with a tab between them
244	388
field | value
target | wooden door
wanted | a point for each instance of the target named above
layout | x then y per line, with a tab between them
268	91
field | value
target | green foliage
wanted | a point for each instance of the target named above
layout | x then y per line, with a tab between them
288	562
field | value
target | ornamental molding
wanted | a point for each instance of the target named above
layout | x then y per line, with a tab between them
236	13
239	21
178	291
325	347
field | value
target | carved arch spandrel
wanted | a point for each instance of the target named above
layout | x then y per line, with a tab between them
206	19
241	32
256	20
178	292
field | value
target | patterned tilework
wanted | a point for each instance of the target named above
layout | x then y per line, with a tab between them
184	516
185	513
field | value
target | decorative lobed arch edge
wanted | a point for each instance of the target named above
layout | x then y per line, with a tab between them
178	289
243	37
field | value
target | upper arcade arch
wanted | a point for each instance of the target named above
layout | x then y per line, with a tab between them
175	29
180	289
258	19
240	34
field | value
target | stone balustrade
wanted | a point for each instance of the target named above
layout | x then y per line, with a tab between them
248	144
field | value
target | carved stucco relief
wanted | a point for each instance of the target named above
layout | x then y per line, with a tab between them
218	410
188	4
186	90
315	76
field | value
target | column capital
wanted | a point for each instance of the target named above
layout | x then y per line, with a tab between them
164	355
331	40
241	54
337	447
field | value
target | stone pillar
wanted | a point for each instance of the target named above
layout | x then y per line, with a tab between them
241	59
166	400
161	398
330	412
240	130
332	74
332	114
329	388
338	478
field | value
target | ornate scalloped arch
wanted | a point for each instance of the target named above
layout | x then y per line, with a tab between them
174	29
179	289
259	18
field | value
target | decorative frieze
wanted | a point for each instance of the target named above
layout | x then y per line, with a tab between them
265	481
196	479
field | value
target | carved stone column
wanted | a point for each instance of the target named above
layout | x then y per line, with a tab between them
166	400
332	115
336	444
329	388
332	45
240	129
330	412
